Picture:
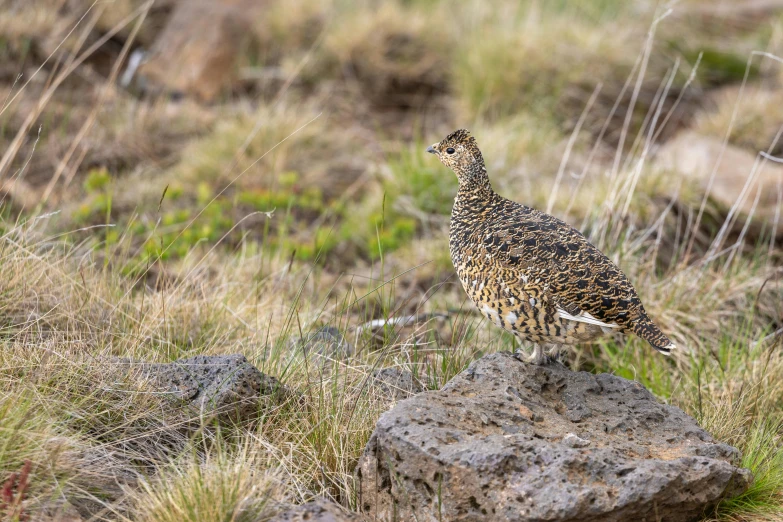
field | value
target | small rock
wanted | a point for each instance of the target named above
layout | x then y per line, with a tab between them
395	384
499	442
327	343
227	385
320	510
528	413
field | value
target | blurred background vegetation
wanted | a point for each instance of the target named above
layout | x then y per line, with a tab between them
222	83
185	177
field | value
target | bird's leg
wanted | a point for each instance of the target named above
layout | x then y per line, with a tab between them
520	352
554	353
541	354
539	357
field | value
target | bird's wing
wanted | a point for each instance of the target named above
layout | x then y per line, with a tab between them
583	284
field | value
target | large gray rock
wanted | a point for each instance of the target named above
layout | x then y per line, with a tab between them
320	510
695	155
505	440
196	53
227	385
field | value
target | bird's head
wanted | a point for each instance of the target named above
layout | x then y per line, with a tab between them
459	152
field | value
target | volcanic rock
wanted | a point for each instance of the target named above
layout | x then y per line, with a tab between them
510	441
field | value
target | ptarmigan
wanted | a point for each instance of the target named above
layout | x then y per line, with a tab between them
531	273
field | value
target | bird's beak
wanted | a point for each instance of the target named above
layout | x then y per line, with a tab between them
431	150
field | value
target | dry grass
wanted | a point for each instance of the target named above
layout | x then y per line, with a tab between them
220	484
757	120
307	200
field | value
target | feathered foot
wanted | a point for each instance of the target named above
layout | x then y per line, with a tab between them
539	357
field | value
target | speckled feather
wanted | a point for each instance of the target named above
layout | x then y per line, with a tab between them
531	273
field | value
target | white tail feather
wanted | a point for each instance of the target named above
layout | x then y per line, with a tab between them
584	317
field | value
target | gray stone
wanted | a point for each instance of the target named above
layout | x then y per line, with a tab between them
494	444
395	384
320	510
694	156
325	343
575	441
227	385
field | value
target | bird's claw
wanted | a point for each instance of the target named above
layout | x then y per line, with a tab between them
538	358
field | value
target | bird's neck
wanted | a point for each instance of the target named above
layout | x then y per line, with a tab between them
474	186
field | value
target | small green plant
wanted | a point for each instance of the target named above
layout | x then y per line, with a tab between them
420	178
97	208
97	180
392	234
762	454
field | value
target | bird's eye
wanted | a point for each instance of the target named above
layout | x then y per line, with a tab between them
450	151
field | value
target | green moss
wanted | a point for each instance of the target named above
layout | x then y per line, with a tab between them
424	181
718	67
97	180
288	179
174	192
391	235
204	193
94	210
180	230
112	236
311	198
265	200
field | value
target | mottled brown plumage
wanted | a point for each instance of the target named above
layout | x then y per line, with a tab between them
530	273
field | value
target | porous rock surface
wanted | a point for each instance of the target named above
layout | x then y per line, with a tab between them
320	510
506	440
227	385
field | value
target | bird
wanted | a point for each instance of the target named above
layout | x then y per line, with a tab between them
531	273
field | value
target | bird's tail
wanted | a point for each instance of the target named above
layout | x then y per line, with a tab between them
648	331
